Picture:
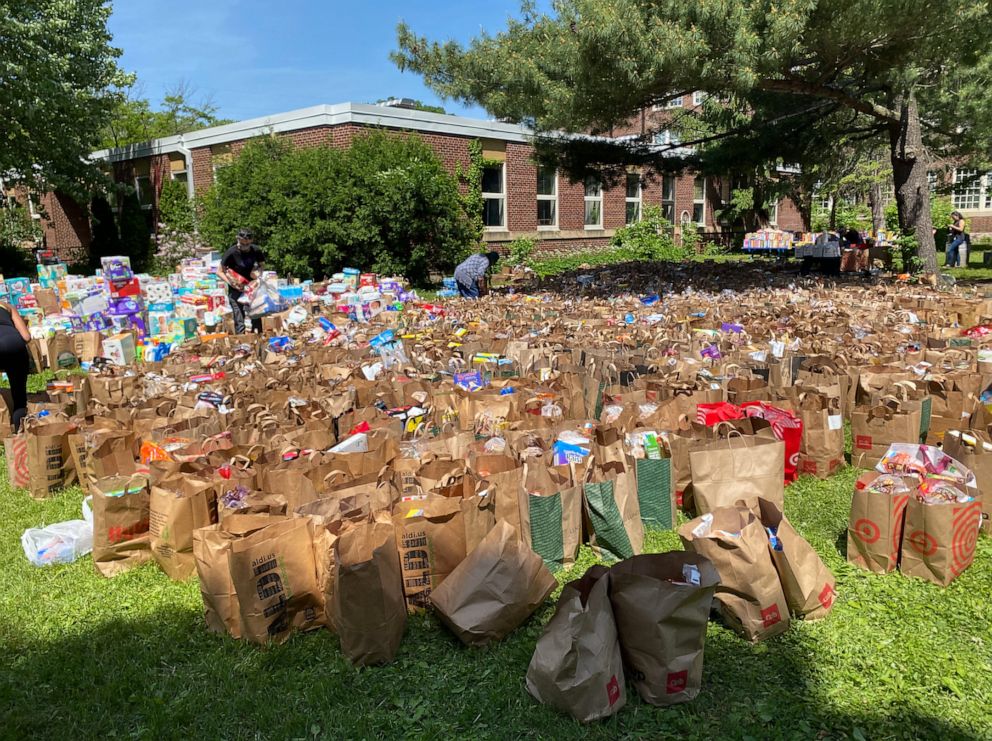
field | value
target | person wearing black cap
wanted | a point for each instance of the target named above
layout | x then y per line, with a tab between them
238	267
470	275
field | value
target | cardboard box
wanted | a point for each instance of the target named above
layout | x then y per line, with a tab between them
119	348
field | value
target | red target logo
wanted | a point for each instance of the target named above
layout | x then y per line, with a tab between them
676	682
923	543
22	474
770	616
967	521
827	596
867	531
613	690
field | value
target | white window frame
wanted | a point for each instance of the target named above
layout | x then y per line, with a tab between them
596	198
138	189
698	97
174	174
491	196
638	199
773	214
665	202
554	199
665	137
32	208
699	202
977	191
669	104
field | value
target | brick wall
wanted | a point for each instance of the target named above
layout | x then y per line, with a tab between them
67	228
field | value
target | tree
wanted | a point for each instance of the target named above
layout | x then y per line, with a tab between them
793	76
105	239
133	119
386	204
58	82
135	235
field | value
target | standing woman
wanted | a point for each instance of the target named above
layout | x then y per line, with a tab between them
955	238
14	339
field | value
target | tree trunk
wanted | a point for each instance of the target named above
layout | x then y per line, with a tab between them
877	209
909	175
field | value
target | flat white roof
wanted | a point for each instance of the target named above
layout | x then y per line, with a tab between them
323	115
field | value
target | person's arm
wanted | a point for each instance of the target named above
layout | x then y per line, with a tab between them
259	265
19	325
957	226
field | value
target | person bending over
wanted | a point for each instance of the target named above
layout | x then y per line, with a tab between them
470	275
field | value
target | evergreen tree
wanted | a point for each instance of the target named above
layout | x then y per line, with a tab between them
791	80
136	240
105	239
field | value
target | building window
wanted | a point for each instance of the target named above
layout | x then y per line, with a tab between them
494	196
181	175
547	198
633	197
594	203
932	182
668	198
699	200
145	193
666	137
698	97
773	213
968	189
670	103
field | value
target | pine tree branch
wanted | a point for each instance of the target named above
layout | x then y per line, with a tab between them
825	92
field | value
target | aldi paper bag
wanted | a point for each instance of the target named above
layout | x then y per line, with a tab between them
430	536
810	588
49	461
750	595
662	602
275	580
577	667
369	612
120	524
494	590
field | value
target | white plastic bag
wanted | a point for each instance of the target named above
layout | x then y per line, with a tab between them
62	542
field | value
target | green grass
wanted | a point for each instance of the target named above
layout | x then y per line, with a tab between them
974	273
548	266
84	656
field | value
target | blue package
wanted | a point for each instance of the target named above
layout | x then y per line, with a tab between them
651	300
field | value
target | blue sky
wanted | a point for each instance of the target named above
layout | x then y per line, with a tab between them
258	57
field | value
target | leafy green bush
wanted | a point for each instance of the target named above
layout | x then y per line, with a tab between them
690	239
650	238
520	250
386	204
17	232
856	215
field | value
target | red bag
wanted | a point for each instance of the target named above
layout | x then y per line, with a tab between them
722	411
787	427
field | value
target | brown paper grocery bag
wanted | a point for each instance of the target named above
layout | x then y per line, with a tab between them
16	454
809	586
120	524
430	536
874	429
506	482
750	595
821	451
874	530
179	505
939	540
494	590
49	459
577	667
662	603
212	552
369	611
738	467
479	516
974	451
275	579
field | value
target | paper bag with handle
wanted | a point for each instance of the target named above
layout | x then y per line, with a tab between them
974	450
577	667
178	505
874	530
750	595
724	471
662	602
369	611
275	579
120	524
430	536
494	590
810	588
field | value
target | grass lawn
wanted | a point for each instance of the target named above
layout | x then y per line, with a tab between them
84	656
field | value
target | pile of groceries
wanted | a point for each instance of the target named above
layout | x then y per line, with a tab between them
370	456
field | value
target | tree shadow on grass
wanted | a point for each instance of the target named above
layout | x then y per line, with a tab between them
163	675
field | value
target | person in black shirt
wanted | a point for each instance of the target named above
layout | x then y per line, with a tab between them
14	339
239	266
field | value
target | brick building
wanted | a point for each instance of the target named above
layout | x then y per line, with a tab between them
521	200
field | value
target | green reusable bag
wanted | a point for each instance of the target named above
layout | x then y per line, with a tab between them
609	534
556	526
654	493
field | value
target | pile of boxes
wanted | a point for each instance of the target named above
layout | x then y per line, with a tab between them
143	317
768	239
